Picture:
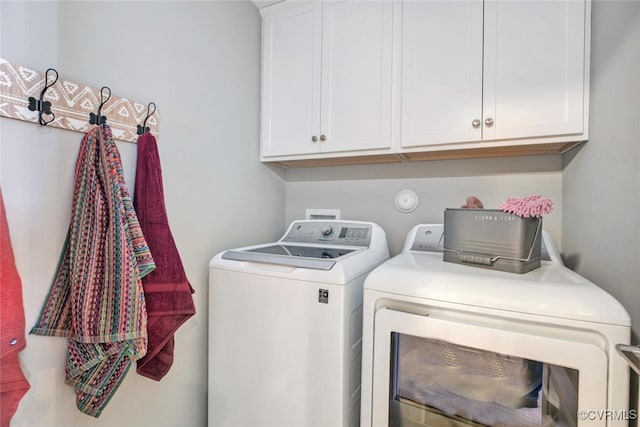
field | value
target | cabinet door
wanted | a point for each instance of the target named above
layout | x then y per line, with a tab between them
291	80
441	72
534	68
356	74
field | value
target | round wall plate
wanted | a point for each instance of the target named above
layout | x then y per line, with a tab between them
406	201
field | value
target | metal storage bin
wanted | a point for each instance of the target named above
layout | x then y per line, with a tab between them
491	238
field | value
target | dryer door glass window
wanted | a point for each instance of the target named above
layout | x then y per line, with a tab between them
435	382
447	368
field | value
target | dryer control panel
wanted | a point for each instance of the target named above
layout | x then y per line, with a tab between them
329	232
427	238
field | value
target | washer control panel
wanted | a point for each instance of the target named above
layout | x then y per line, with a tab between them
329	232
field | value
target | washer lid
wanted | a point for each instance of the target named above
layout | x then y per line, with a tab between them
313	257
303	251
551	290
321	251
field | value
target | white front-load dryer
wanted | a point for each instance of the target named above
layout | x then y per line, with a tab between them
446	344
285	326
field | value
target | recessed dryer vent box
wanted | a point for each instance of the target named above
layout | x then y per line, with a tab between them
491	238
330	214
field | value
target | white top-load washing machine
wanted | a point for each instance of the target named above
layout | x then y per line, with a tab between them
285	326
446	344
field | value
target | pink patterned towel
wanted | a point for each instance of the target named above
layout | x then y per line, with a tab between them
531	206
97	299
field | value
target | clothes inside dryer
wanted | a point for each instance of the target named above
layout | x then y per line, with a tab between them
437	380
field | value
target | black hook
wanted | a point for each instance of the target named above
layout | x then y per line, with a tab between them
143	129
97	119
43	107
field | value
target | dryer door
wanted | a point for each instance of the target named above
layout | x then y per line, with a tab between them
453	369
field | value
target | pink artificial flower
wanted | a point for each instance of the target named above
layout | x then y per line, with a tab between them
531	206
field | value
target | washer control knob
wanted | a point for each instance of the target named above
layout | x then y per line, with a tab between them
326	230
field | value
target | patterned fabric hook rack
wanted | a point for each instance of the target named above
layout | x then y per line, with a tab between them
71	103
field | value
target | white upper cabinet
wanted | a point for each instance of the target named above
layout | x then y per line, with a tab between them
476	70
534	68
291	48
326	82
364	81
441	71
356	74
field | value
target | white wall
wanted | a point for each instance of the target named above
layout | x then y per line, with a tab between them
368	192
601	180
601	222
200	63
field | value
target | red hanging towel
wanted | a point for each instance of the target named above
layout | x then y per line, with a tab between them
167	289
13	384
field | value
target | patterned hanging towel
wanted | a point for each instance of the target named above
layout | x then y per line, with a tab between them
96	299
13	384
168	293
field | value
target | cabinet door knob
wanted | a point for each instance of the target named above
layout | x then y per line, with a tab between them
488	122
476	123
314	138
323	138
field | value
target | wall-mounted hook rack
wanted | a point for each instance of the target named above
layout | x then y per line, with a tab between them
70	102
98	119
41	106
144	129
